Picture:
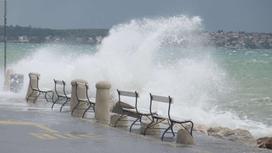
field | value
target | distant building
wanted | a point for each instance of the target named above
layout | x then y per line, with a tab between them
23	39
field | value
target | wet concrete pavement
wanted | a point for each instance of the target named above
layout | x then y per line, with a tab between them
37	129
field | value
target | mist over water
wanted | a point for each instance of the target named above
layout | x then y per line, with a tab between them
165	56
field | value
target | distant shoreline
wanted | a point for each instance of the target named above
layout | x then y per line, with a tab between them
231	40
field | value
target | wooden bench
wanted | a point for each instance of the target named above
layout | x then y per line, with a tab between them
60	91
158	118
126	109
35	89
85	99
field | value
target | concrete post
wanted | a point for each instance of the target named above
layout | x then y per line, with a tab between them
33	83
81	92
103	102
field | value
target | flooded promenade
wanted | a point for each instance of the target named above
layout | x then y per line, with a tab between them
36	128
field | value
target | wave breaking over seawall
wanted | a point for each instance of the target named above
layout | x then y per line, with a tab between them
164	56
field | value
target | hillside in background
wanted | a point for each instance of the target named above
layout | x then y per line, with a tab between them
39	35
235	40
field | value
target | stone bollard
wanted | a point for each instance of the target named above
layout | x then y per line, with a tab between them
79	91
184	137
33	83
155	130
123	122
8	73
103	102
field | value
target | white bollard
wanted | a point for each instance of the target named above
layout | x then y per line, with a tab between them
33	83
81	93
103	102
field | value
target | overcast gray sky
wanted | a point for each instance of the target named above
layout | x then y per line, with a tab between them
229	15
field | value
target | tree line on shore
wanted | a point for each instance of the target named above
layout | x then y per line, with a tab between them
28	34
39	35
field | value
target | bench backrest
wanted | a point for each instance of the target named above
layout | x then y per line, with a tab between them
60	87
34	80
128	94
82	86
161	99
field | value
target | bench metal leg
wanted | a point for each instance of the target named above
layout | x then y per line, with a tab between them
138	119
45	95
172	131
62	105
192	127
54	102
53	96
148	126
93	107
90	105
170	127
169	122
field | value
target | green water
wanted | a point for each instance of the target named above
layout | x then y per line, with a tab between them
18	51
250	72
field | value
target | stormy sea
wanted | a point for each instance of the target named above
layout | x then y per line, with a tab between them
165	56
